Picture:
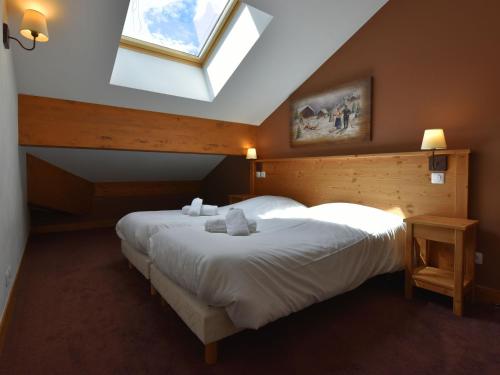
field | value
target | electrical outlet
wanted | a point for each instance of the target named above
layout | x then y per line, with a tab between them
437	178
478	258
8	276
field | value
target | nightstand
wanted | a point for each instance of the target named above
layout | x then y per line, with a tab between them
235	198
461	233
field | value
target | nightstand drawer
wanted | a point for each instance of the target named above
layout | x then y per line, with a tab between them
434	233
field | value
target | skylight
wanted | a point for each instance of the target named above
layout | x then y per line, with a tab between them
182	28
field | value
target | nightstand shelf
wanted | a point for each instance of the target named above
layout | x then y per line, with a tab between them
437	280
456	283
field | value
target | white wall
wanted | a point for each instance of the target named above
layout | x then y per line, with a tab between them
13	210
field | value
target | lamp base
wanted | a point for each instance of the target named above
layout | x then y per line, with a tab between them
438	163
5	29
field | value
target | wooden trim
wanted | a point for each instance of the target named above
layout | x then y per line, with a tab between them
51	122
361	156
139	47
6	318
159	51
169	53
487	295
229	14
146	188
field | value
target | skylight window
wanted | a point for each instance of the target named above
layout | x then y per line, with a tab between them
183	29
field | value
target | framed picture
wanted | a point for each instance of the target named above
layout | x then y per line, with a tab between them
339	115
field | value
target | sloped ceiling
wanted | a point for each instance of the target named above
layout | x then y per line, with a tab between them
77	61
110	166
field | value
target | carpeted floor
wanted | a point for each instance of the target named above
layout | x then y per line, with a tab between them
80	310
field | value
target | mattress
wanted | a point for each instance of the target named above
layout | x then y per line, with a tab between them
137	227
289	264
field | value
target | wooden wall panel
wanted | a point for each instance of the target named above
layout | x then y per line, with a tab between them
63	123
54	188
396	182
130	189
113	200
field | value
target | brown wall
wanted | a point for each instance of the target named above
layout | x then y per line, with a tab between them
231	176
435	63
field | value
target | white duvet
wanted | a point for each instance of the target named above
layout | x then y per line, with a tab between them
288	265
136	228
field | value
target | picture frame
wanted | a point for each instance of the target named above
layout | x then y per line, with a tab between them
338	115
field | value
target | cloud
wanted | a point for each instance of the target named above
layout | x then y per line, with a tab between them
176	24
159	22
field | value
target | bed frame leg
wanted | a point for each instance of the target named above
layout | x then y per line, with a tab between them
211	353
152	290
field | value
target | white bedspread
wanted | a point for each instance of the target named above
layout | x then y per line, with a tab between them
136	228
288	265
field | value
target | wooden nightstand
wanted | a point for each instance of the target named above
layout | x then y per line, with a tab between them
459	232
235	198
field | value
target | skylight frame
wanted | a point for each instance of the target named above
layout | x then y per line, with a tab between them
161	51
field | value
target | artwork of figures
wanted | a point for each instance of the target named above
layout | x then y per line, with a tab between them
342	114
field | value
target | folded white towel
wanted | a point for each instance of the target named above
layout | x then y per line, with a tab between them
206	210
195	209
219	226
209	210
236	223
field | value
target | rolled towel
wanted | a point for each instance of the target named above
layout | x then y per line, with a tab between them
208	210
185	210
195	209
236	223
219	226
216	226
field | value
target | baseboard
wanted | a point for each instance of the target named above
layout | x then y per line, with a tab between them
487	295
9	306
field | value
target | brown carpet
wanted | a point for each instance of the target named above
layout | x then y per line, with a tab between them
80	310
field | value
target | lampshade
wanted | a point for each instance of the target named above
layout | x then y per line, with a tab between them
433	140
34	21
251	154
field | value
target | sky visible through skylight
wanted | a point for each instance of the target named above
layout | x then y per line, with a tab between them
182	25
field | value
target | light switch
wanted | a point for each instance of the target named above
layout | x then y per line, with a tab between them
437	178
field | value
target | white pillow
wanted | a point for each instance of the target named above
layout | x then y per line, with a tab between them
269	206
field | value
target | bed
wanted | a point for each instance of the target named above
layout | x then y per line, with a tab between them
135	229
219	284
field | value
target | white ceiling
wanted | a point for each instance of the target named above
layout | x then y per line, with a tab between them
106	165
77	62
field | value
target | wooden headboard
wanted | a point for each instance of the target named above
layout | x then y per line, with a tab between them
398	182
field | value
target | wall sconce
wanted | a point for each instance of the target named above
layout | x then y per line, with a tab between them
33	27
434	140
251	154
